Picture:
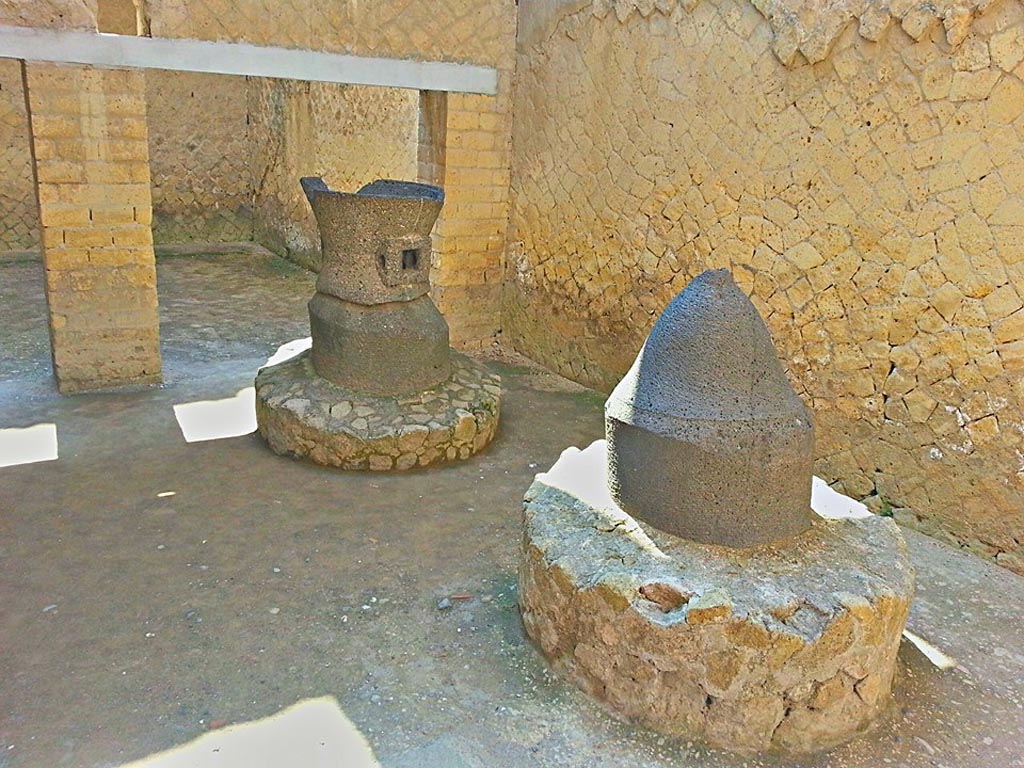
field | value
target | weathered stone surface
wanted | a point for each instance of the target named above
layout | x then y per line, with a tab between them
304	415
382	350
706	437
780	647
374	328
376	242
871	218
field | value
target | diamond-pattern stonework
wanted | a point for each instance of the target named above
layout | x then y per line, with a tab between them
871	204
54	14
19	214
453	30
200	159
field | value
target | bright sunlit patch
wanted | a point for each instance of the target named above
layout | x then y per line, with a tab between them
28	445
314	733
933	654
218	419
833	505
288	351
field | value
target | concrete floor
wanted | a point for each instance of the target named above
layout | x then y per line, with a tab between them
131	621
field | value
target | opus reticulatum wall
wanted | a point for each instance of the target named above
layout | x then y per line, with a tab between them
861	172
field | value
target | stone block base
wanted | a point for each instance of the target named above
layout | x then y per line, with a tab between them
789	646
303	415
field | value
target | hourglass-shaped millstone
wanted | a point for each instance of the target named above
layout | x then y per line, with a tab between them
374	327
706	438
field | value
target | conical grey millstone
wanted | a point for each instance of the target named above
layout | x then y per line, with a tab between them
706	438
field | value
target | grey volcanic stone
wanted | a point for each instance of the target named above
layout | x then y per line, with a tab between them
376	242
389	349
789	647
374	328
304	415
706	438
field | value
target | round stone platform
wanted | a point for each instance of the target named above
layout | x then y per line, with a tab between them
789	646
301	414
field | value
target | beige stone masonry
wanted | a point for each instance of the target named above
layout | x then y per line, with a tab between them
870	204
91	165
474	31
54	14
468	260
469	247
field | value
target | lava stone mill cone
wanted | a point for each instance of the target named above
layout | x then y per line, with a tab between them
706	438
374	327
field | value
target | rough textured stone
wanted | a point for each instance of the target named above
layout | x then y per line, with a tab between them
374	328
781	647
907	201
706	437
306	416
380	350
376	242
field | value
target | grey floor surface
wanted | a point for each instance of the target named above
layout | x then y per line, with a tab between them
129	621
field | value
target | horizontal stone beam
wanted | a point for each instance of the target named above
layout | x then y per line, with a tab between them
126	51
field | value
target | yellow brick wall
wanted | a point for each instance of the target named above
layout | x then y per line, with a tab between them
871	202
19	216
469	256
91	162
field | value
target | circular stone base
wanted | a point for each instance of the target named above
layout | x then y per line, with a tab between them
301	414
789	646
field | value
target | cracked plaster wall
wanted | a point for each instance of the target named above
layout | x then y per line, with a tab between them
859	167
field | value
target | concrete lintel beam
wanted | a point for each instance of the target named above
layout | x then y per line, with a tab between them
126	51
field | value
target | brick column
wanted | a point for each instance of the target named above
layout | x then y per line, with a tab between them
470	237
433	129
91	163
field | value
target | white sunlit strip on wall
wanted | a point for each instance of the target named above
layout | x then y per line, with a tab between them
102	49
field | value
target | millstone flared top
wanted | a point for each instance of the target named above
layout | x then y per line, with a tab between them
376	242
374	328
706	438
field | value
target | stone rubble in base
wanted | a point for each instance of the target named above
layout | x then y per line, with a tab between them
306	416
787	647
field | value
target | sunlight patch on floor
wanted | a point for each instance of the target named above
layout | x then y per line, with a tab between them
218	419
27	445
288	351
314	733
935	655
833	505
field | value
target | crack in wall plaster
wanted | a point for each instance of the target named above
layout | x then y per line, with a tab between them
806	30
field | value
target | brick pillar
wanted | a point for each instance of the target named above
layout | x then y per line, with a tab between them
433	128
91	163
470	237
